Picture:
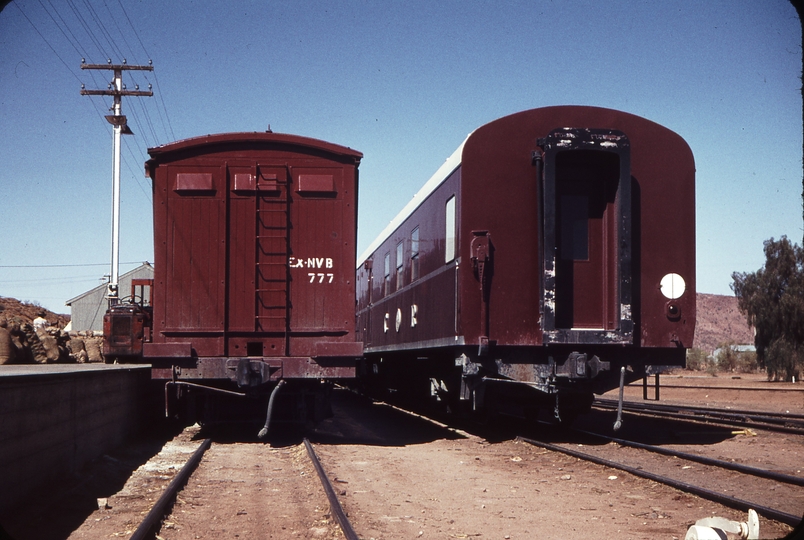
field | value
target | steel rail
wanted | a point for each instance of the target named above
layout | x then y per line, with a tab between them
765	415
738	388
745	469
158	510
732	502
736	420
334	503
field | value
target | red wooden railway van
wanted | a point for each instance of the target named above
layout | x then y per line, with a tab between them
254	242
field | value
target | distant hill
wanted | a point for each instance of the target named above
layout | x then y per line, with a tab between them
719	321
11	309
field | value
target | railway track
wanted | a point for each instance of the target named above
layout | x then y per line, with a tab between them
226	487
780	422
147	529
701	491
159	513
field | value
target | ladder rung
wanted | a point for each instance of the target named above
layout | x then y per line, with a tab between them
272	215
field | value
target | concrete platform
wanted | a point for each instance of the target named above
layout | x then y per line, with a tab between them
56	418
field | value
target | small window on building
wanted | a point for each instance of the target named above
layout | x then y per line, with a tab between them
414	255
400	265
449	238
386	287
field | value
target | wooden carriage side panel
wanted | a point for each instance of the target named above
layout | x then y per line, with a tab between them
418	308
320	268
195	236
241	248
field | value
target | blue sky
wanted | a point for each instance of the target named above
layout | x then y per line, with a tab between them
404	83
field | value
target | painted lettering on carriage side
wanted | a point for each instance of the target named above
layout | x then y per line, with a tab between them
310	262
320	277
314	263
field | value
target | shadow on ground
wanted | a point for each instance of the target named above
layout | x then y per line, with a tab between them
355	420
60	507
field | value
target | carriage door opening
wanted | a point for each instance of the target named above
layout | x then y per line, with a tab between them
586	198
586	186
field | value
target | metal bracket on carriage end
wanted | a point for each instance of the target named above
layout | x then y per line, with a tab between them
618	424
468	368
596	365
483	346
248	371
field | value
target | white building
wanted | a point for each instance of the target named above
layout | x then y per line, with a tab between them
87	310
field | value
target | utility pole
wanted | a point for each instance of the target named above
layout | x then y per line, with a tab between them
118	121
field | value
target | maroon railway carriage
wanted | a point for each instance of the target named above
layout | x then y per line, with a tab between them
254	242
555	247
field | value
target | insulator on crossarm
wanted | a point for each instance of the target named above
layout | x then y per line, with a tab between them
124	60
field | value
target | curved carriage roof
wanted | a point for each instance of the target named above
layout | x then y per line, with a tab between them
210	142
443	172
455	160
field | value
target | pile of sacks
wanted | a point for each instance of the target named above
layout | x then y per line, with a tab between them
38	343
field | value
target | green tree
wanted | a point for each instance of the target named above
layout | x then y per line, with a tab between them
772	299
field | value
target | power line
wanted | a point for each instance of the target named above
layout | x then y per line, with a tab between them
166	120
59	26
98	31
119	31
86	28
47	42
103	31
66	265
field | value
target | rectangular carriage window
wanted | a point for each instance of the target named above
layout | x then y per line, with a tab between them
574	228
449	237
414	255
386	286
400	265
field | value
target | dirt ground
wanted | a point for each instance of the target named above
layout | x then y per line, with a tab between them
461	486
402	477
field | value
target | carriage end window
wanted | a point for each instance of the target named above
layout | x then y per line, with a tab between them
400	265
449	238
386	286
414	255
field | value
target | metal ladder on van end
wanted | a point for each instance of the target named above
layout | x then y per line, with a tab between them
272	279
